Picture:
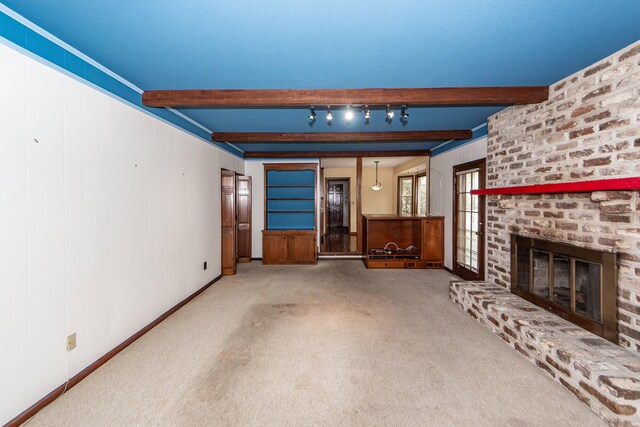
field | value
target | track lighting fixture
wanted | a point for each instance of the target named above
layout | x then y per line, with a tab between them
389	112
403	113
348	114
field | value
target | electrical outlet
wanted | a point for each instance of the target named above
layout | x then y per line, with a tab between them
205	265
71	342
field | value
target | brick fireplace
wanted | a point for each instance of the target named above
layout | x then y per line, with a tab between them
588	129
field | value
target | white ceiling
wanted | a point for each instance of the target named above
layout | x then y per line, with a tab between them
367	162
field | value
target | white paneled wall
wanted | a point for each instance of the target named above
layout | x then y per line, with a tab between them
441	186
14	298
105	222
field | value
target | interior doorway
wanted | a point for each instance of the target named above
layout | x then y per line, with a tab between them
338	205
337	237
367	190
468	220
235	218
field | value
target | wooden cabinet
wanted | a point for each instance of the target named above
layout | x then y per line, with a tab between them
396	241
289	247
433	242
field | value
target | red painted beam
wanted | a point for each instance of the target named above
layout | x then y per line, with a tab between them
616	184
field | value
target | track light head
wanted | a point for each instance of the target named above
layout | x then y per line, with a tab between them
348	114
367	113
329	114
312	114
389	112
403	113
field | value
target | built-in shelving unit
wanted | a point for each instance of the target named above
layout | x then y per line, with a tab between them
290	192
289	236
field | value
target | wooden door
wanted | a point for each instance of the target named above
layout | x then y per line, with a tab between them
335	205
468	221
243	192
228	215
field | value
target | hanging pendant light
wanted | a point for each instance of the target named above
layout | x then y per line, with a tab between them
377	186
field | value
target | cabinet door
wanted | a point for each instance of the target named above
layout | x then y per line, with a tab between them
302	248
433	240
275	249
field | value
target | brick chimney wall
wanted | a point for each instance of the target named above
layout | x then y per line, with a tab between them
588	129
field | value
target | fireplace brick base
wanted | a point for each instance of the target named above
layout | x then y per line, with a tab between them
604	376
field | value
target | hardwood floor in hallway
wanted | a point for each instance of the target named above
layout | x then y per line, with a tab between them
338	240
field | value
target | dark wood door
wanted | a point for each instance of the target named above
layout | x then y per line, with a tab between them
468	220
335	205
228	215
243	192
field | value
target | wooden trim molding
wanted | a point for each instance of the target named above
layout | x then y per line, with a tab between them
33	409
280	137
290	166
332	154
615	184
359	204
506	95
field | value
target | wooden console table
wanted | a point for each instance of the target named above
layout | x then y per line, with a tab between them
399	241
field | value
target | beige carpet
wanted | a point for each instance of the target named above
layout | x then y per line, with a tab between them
331	344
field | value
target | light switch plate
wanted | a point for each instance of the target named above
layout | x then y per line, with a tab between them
71	342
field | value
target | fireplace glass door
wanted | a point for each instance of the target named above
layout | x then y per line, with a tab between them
576	283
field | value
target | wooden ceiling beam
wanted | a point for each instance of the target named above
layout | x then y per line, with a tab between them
505	95
331	154
282	137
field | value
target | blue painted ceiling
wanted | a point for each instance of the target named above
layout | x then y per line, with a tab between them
296	44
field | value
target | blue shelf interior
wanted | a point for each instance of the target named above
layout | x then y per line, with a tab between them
291	200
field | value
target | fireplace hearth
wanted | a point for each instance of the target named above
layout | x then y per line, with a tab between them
575	283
